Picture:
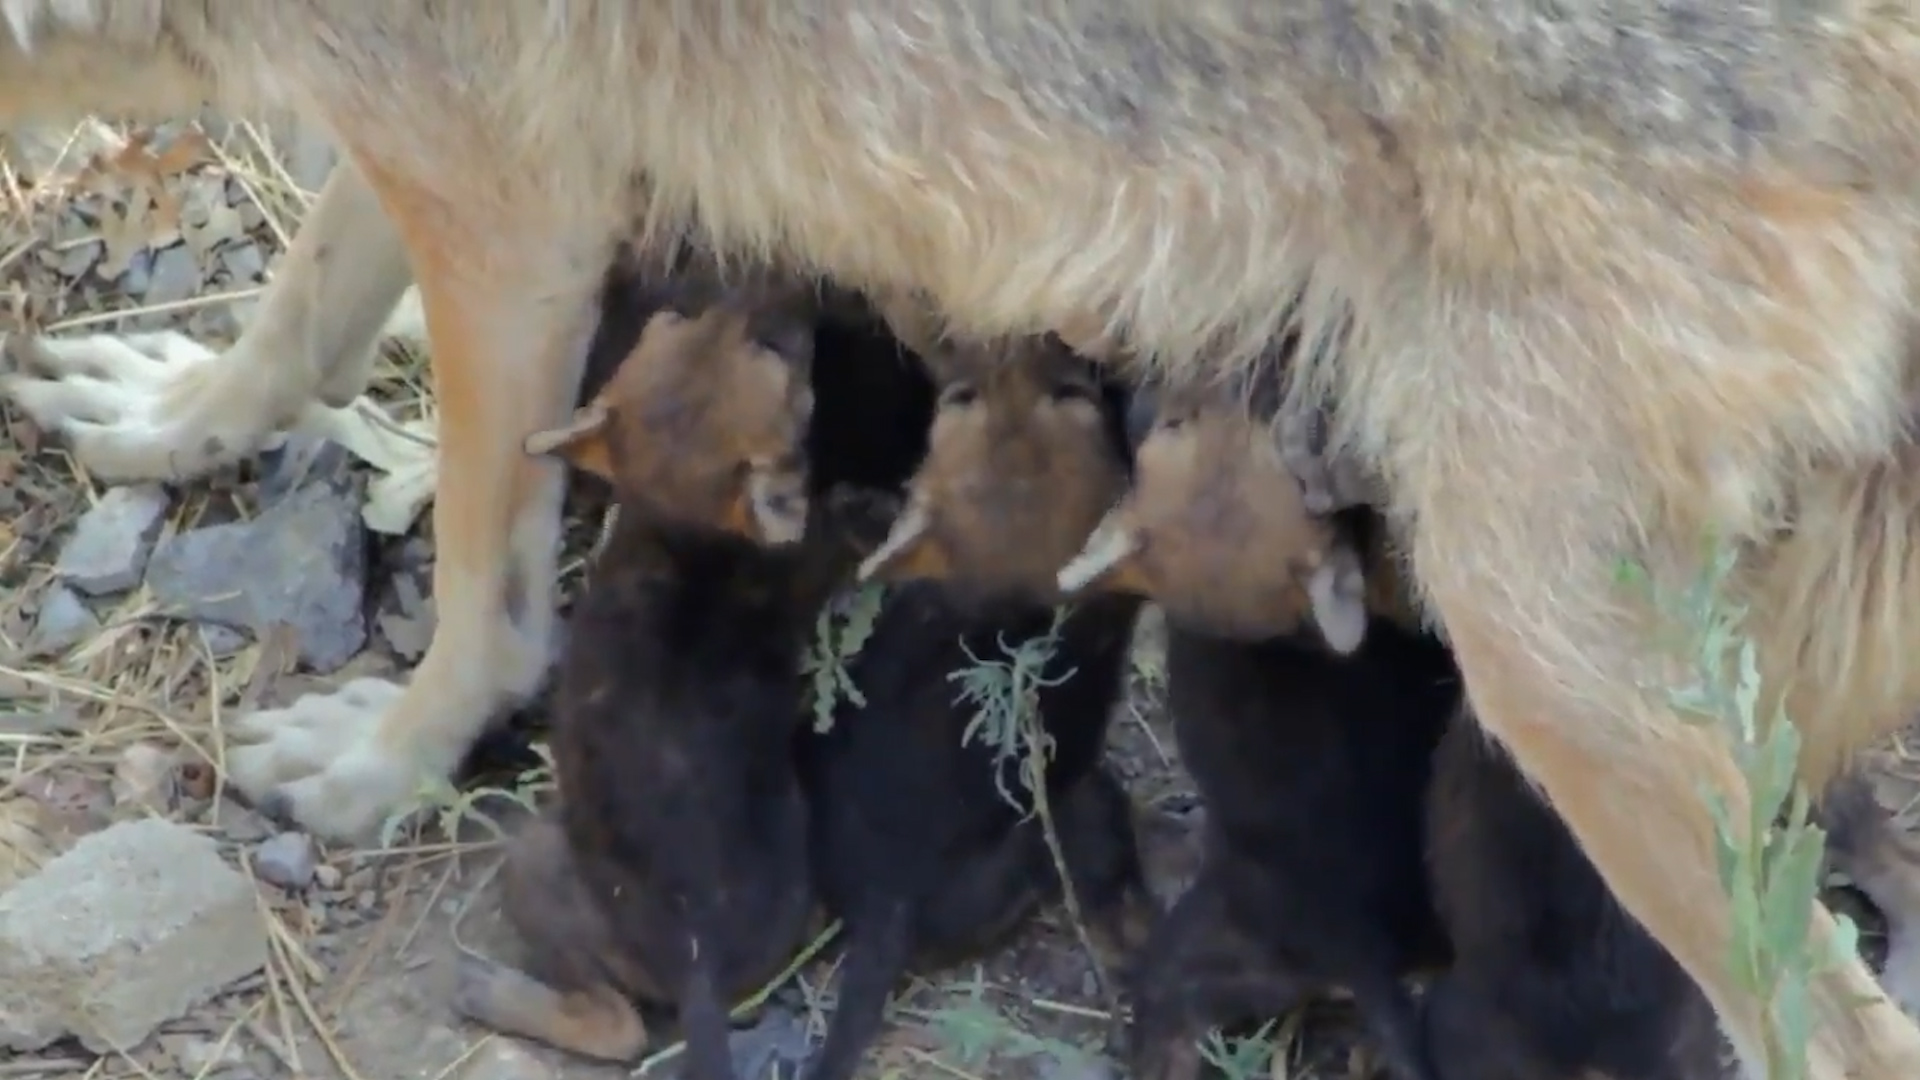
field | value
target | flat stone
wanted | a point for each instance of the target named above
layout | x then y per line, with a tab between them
176	276
302	563
113	540
131	928
64	621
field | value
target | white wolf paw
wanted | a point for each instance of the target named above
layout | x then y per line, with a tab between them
329	765
157	406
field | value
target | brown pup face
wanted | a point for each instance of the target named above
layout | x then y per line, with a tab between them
1021	464
1216	530
705	421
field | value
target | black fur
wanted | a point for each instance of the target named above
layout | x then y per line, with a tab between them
1313	770
1554	980
915	846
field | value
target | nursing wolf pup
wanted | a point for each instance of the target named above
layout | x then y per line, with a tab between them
1551	980
925	842
1308	727
676	871
1616	278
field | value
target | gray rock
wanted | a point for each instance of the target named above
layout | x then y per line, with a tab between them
245	263
111	543
130	928
223	641
287	860
300	460
80	258
137	278
239	822
302	562
176	275
64	621
774	1048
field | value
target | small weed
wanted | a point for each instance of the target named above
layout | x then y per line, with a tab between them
840	633
1770	867
1005	695
971	1029
450	806
1243	1057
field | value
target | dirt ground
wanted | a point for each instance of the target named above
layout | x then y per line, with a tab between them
105	696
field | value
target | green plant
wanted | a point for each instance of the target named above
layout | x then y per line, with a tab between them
840	632
1005	695
1770	864
1243	1057
970	1028
451	806
1005	698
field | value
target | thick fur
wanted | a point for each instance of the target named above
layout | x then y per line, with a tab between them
916	847
1313	768
682	814
1551	979
923	842
1619	277
1025	454
677	871
1218	530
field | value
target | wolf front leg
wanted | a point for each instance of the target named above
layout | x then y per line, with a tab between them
509	288
161	406
1565	669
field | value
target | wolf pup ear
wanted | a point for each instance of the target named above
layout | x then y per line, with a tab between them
911	550
582	443
1338	592
1109	561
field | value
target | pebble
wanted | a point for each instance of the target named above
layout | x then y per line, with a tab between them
776	1045
245	263
223	641
287	860
241	823
176	276
64	620
80	258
